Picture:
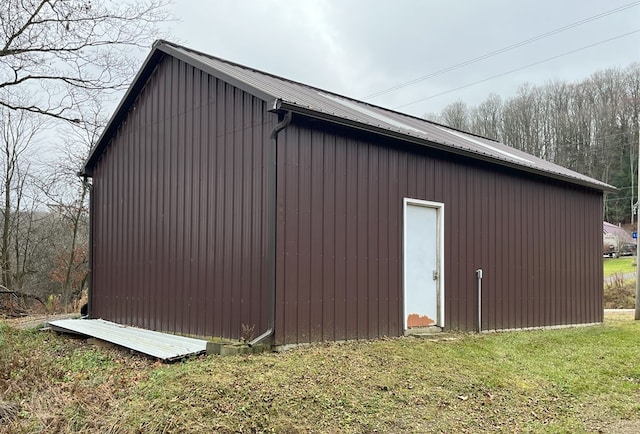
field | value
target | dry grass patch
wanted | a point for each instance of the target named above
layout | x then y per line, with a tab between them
619	293
61	383
570	380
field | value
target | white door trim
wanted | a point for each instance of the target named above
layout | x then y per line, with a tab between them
439	207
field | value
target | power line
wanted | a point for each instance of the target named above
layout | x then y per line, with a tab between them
504	49
518	69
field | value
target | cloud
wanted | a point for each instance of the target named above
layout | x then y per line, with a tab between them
358	47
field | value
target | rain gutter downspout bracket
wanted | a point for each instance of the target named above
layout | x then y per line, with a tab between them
273	165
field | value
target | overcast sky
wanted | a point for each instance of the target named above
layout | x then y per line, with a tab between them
360	47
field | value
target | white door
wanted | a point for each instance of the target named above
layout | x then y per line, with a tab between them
423	300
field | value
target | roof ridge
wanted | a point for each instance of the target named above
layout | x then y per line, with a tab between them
317	89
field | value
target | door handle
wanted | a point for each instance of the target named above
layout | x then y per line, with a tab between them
435	275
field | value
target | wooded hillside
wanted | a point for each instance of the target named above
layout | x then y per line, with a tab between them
589	126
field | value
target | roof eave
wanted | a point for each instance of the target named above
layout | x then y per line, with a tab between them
279	104
149	65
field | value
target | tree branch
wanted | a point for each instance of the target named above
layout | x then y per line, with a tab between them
38	110
28	23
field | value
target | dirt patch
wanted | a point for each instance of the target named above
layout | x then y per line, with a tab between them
623	427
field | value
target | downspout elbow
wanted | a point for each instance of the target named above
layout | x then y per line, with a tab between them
273	165
263	337
279	127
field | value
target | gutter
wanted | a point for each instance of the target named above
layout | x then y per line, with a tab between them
448	148
273	210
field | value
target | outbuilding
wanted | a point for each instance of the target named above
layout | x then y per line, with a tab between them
231	202
616	241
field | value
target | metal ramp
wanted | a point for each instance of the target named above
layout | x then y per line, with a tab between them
160	345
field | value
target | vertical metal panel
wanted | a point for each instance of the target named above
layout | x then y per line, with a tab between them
304	238
317	293
536	239
340	266
486	241
179	237
372	169
351	239
362	291
382	207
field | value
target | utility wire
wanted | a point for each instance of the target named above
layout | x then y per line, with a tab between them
518	69
504	49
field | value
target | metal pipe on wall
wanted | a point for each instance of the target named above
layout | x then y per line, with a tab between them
273	191
637	310
479	276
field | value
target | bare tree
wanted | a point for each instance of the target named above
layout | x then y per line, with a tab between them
71	49
456	115
18	134
68	196
433	117
486	119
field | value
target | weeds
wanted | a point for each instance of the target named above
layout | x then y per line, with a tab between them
619	293
246	334
62	383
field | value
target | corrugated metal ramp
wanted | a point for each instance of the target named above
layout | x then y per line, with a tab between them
161	345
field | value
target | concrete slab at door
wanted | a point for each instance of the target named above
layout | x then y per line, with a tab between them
422	273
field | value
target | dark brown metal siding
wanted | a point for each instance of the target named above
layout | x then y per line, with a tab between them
180	224
339	243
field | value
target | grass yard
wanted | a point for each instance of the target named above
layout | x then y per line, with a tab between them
619	265
570	380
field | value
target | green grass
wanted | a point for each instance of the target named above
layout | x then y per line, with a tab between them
569	380
619	265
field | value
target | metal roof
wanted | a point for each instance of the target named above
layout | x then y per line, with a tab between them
611	229
284	94
161	345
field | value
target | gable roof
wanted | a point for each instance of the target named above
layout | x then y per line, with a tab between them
620	233
287	95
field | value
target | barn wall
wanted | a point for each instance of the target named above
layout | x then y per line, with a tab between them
339	260
180	227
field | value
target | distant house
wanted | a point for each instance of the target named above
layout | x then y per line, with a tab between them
227	198
616	241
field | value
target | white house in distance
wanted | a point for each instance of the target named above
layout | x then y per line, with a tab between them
616	241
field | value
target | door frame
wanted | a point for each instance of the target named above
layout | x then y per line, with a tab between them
439	207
